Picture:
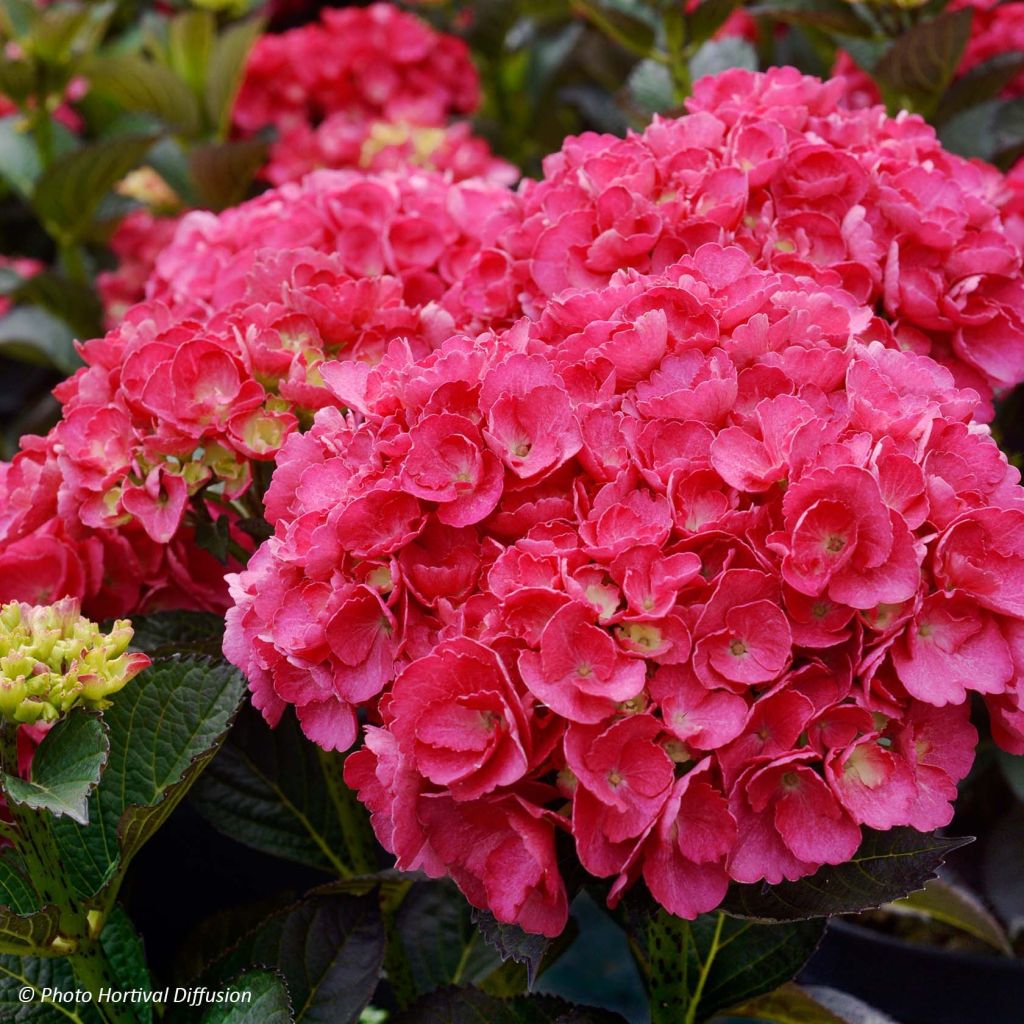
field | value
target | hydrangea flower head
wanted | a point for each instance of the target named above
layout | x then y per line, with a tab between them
774	164
176	406
698	567
52	659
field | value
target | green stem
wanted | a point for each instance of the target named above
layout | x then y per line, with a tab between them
705	972
360	848
78	938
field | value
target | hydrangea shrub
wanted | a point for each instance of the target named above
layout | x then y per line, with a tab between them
698	564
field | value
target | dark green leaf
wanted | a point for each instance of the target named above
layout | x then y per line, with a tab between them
835	16
472	1006
214	535
888	866
17	973
267	789
164	728
76	304
223	173
983	82
441	945
32	335
630	30
707	18
692	969
123	949
162	633
69	192
267	1003
917	69
329	949
144	86
512	943
226	69
65	769
972	132
1008	127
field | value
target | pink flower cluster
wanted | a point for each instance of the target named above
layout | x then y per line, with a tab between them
370	87
772	163
997	29
176	406
365	88
697	568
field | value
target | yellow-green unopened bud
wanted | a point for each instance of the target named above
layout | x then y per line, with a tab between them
52	659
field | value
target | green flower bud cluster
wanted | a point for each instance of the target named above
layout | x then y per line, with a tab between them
52	659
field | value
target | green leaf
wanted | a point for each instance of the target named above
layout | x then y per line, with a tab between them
917	69
1008	127
512	943
719	55
972	132
190	39
65	769
650	87
76	304
267	1001
1012	767
17	973
163	633
441	945
707	18
692	969
226	70
472	1006
835	16
788	1004
126	956
19	158
952	905
32	335
223	173
983	82
143	86
630	30
69	192
65	32
25	927
267	789
329	949
164	728
887	866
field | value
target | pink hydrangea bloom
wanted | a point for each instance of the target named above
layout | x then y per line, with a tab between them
774	164
162	429
373	88
667	569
